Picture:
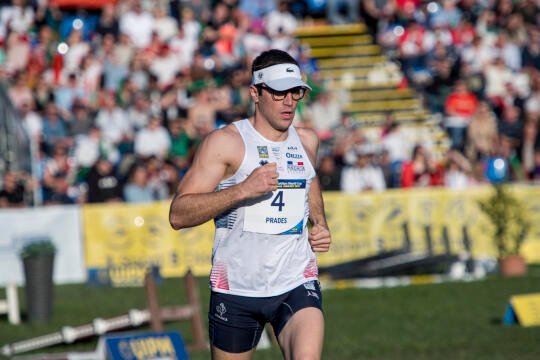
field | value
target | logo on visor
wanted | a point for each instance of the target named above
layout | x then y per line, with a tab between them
289	70
260	75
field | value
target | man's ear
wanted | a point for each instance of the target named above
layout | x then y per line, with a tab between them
254	93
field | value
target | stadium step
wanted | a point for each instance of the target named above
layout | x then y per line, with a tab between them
350	60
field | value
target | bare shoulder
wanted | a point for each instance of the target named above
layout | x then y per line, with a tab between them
222	142
309	140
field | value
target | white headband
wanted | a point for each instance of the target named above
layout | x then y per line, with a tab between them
280	77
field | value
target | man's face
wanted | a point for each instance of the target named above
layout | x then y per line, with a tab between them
278	113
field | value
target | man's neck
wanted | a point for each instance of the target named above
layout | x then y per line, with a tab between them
264	128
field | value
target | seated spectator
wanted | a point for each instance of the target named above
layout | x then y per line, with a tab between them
482	133
153	140
459	107
363	175
329	174
16	187
114	124
398	147
54	128
69	93
342	11
89	148
458	173
136	189
57	177
325	114
280	20
103	184
510	123
421	170
81	121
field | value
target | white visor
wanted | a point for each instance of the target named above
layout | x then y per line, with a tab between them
280	77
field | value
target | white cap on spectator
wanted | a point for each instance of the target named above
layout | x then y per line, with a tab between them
280	77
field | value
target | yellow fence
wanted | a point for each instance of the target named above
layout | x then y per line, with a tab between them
123	240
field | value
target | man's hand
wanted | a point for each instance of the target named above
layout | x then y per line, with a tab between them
262	180
319	238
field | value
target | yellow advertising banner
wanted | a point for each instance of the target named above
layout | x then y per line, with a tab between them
122	241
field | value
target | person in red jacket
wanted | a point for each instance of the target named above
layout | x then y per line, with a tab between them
459	108
421	170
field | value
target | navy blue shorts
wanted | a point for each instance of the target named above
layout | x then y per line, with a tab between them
237	322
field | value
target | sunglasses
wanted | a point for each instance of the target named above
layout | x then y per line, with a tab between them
297	93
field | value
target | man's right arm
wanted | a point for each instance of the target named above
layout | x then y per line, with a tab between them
196	202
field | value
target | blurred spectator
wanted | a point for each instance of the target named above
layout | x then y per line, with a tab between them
375	12
531	142
325	113
157	178
421	170
108	22
89	148
66	95
459	107
81	120
103	184
280	20
113	122
165	26
329	174
57	177
342	11
482	133
19	92
507	149
54	128
17	18
510	123
458	172
136	189
31	120
138	24
363	175
16	187
398	147
153	140
257	8
78	49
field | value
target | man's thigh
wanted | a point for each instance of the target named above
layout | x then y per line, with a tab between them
234	324
302	337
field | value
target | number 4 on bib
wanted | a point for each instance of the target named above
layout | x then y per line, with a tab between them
282	213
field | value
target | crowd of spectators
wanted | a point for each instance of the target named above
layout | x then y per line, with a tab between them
117	99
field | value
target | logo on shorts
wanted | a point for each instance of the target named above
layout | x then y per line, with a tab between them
220	310
309	285
314	294
263	152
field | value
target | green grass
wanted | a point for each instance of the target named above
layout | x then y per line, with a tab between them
441	321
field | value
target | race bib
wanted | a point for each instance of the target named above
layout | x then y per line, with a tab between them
280	212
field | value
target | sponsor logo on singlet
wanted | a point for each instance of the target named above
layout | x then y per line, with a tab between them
295	167
263	152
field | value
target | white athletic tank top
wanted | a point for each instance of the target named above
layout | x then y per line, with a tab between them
261	247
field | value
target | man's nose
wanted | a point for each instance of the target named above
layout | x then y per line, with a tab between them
288	100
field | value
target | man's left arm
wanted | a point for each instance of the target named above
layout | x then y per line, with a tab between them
319	236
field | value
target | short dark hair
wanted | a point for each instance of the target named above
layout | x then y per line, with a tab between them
272	57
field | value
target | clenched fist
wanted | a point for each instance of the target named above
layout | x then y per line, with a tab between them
319	238
262	180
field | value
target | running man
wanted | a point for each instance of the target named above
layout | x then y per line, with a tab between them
256	179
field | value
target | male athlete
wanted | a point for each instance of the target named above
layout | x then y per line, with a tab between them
256	179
